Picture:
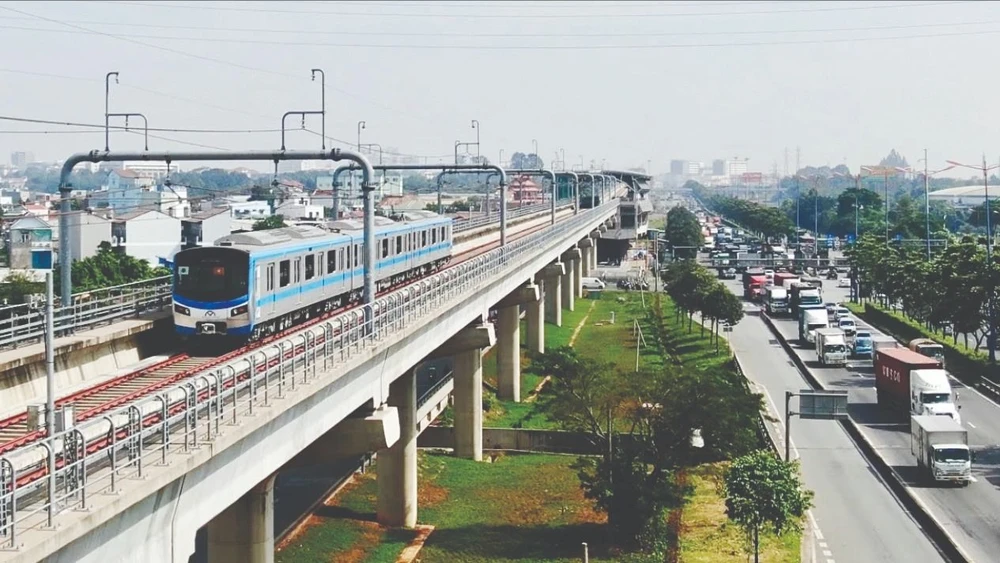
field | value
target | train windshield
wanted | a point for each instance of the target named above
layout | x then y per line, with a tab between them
211	274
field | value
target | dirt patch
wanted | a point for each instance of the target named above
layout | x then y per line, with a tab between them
371	536
538	389
675	523
430	494
583	323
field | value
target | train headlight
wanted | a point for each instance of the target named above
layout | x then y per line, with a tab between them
180	309
241	310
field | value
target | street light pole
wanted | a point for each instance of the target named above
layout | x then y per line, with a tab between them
927	208
361	125
107	117
887	208
322	76
475	125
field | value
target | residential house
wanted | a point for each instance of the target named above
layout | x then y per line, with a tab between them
147	235
31	244
126	189
205	227
524	190
392	204
300	208
87	230
249	210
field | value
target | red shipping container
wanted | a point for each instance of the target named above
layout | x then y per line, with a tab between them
892	376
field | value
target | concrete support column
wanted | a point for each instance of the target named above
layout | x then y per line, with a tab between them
509	353
553	274
586	259
397	465
245	530
469	404
578	277
534	316
569	283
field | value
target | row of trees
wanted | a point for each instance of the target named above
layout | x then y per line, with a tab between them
952	288
695	289
683	232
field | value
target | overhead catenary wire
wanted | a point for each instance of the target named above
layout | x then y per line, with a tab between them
521	46
512	34
574	15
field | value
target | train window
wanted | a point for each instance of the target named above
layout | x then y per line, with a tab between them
310	266
284	272
357	250
345	265
385	248
434	236
331	261
270	277
442	234
297	270
399	245
423	238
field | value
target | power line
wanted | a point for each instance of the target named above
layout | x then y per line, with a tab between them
424	14
118	127
203	58
523	47
545	35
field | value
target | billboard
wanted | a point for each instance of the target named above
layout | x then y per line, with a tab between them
753	177
880	171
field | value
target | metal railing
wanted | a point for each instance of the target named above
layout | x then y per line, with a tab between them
513	212
98	455
26	322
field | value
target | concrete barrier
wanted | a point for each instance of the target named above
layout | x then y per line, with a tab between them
82	359
935	530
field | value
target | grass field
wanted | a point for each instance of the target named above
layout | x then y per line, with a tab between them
525	508
708	537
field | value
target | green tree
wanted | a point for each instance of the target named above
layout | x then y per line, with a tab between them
268	223
18	287
764	493
683	232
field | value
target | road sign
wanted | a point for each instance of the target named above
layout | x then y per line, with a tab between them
850	239
822	404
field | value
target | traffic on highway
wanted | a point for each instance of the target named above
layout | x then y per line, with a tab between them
936	437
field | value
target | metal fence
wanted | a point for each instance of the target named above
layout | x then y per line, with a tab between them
26	322
465	224
97	456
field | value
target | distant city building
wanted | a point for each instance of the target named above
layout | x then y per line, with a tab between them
140	169
718	167
21	159
693	168
146	235
205	227
736	168
678	167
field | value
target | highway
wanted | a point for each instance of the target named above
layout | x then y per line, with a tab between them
857	517
970	515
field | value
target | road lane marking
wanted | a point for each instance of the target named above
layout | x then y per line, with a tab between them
971	425
827	553
823	544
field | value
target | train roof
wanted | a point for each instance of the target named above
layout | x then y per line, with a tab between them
271	237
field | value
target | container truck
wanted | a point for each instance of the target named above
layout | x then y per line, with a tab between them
754	287
811	319
785	279
928	348
777	300
941	447
881	342
831	346
803	294
910	383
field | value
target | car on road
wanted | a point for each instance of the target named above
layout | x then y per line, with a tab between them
841	313
727	274
844	282
831	310
592	284
847	325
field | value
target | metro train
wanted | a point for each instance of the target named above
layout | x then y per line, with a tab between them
254	284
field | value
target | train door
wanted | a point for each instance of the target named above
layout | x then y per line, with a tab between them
255	298
269	299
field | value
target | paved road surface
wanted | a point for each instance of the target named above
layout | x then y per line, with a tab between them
859	519
971	515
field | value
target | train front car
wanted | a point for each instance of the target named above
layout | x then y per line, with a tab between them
211	293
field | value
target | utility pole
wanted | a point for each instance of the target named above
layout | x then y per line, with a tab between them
50	390
927	207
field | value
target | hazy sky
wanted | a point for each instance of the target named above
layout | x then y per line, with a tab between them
626	82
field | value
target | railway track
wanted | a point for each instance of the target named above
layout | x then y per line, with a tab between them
109	395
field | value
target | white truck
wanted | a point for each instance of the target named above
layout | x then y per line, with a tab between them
809	321
882	341
776	301
831	346
931	394
941	447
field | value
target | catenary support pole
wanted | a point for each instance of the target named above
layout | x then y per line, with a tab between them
66	187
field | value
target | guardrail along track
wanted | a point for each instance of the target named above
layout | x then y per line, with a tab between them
96	400
93	457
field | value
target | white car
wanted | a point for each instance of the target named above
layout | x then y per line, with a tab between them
844	282
592	284
847	325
